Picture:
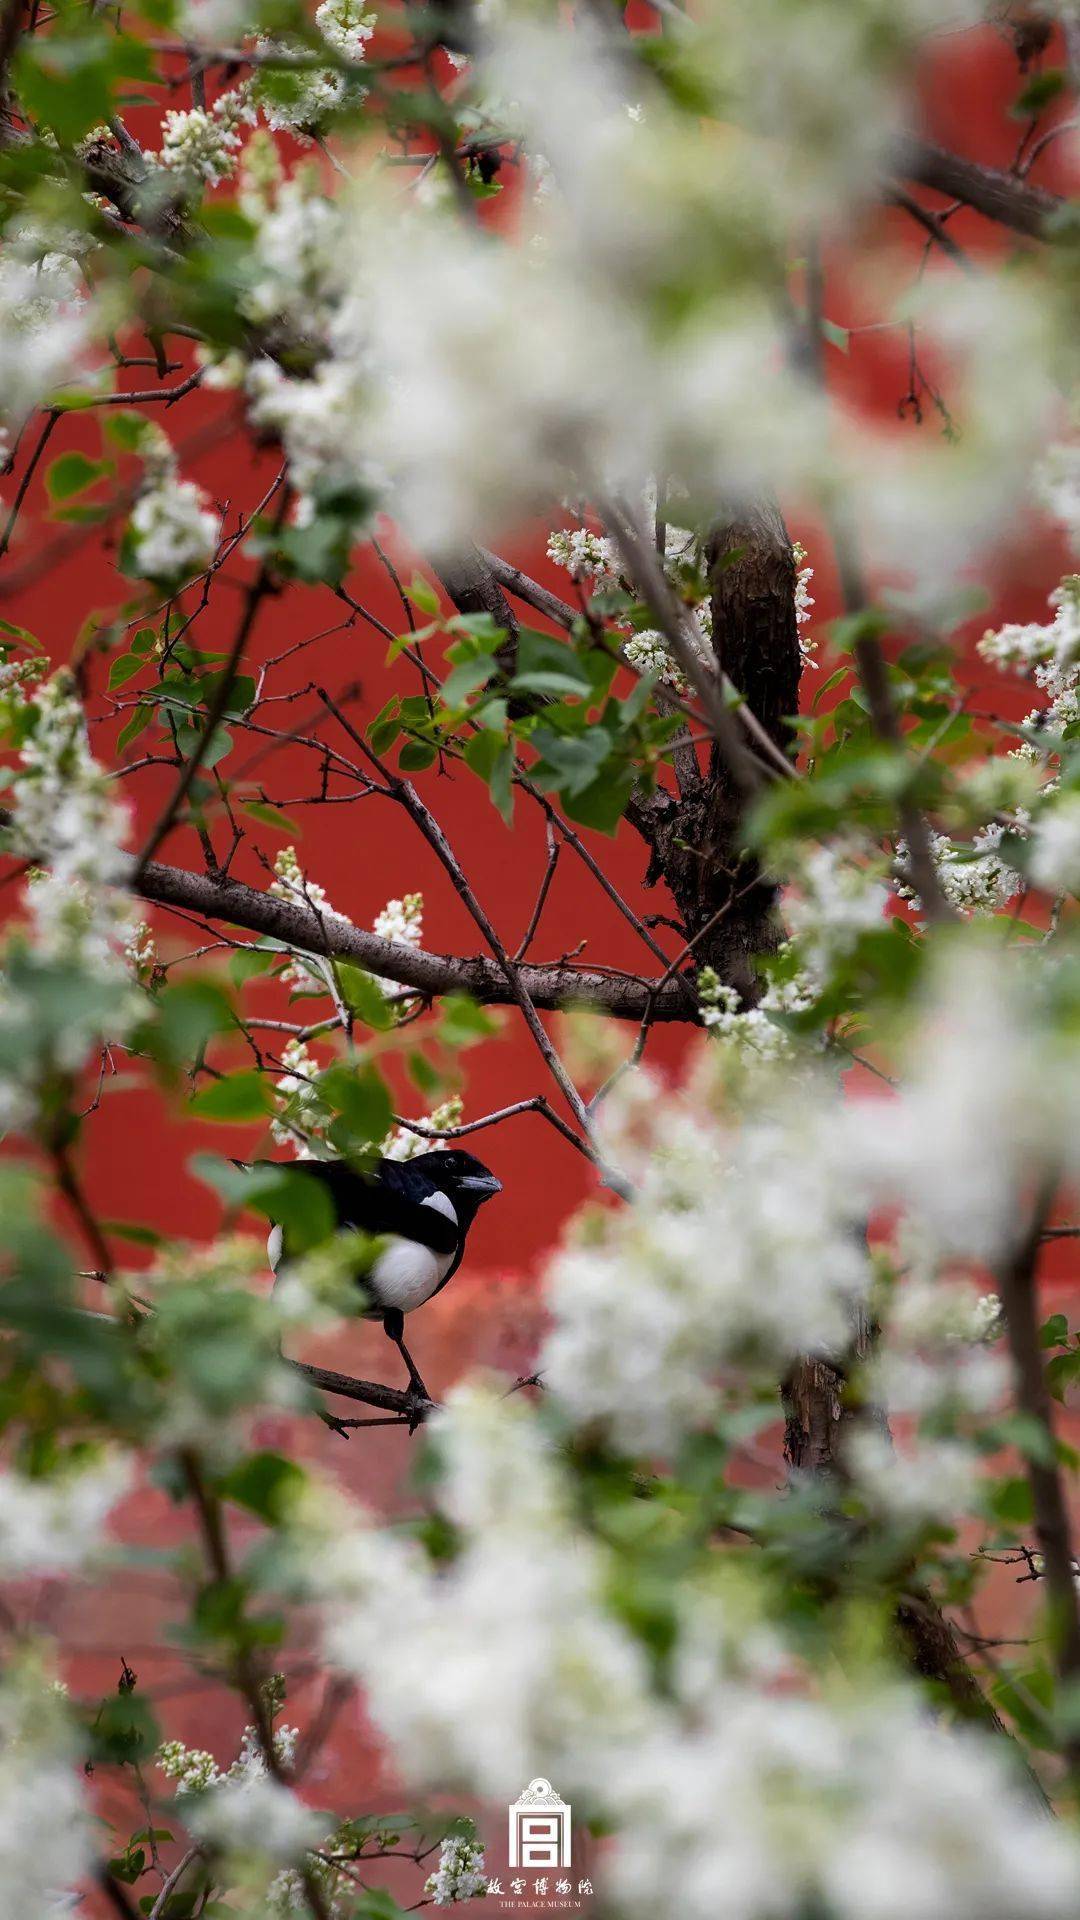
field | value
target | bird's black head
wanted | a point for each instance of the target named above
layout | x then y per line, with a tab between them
460	1175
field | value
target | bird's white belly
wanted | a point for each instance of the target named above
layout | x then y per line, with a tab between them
406	1273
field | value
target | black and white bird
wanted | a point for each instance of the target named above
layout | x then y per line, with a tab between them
422	1209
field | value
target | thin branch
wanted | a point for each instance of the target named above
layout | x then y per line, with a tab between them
1018	1289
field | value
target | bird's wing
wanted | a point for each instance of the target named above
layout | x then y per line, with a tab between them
388	1200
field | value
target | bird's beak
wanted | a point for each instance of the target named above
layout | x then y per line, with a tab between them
485	1184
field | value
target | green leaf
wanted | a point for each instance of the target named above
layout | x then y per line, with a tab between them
360	1095
364	996
139	1235
1010	1501
1055	1331
1038	93
1062	1372
603	802
269	816
386	726
266	1484
72	473
236	1097
126	428
123	670
415	755
283	1194
423	595
123	1730
187	1015
248	962
467	678
541	653
464	1022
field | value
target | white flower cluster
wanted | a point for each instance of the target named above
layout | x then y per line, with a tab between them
202	144
752	1029
243	1808
173	531
479	1680
290	882
66	814
1058	486
461	1873
45	325
211	23
304	1129
742	1247
648	652
1050	652
57	1525
298	249
985	1107
584	554
45	1823
841	896
803	602
313	93
974	880
723	1793
252	1813
760	1805
934	1359
402	920
924	1483
404	1144
345	26
193	1769
1054	848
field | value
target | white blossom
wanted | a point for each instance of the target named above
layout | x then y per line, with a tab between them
1054	849
974	880
840	897
741	1247
215	22
980	1112
346	26
760	1806
174	532
584	554
461	1873
479	1678
803	602
205	144
66	813
648	652
56	1525
45	1823
402	920
752	1030
1051	652
45	326
925	1482
253	1813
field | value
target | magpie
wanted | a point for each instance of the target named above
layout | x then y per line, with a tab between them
422	1208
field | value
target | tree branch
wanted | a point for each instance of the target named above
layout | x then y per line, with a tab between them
551	987
999	196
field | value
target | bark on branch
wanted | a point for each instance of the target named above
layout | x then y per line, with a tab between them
429	974
999	196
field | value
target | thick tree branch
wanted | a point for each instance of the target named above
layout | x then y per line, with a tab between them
428	974
999	196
